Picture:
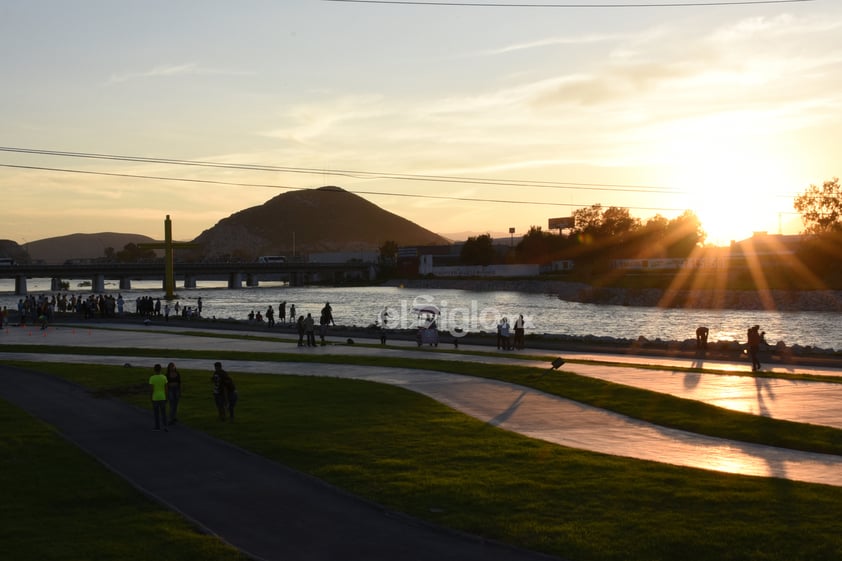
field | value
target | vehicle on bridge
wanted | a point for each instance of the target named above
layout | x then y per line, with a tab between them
277	259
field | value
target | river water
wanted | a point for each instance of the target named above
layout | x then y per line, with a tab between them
476	311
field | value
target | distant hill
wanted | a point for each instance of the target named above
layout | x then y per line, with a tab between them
10	248
80	246
312	220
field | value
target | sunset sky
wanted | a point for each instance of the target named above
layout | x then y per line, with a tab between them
464	119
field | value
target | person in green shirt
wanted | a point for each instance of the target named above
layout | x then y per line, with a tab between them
158	382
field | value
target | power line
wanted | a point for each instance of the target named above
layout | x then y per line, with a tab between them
532	184
358	174
286	187
624	5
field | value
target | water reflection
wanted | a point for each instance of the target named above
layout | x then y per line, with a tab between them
544	313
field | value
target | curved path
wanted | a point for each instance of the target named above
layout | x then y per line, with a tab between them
532	412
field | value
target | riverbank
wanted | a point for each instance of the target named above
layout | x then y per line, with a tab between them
779	354
780	300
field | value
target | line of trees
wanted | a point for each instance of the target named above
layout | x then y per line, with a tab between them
597	236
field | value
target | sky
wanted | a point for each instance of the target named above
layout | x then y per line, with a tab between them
463	119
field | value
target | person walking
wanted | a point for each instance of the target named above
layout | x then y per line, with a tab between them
158	383
218	389
173	391
754	338
282	312
270	316
231	395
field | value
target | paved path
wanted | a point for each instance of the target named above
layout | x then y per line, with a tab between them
534	413
263	508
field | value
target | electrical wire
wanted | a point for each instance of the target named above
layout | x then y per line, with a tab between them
356	173
286	187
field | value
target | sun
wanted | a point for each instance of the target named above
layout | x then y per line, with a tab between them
734	182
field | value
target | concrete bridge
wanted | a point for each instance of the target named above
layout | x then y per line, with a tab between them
296	274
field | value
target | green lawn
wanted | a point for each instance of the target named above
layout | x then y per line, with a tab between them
420	457
661	409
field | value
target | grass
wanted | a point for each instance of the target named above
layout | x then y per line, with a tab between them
417	456
653	407
60	504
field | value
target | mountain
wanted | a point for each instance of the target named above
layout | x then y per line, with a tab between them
311	220
80	246
9	248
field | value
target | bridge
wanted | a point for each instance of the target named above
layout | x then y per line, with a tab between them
296	273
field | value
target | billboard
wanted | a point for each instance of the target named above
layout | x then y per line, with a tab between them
562	223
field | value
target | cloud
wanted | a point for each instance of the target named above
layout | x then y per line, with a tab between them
551	42
171	70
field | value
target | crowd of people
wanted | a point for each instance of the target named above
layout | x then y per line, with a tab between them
305	324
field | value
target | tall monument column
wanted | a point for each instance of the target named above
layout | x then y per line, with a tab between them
167	246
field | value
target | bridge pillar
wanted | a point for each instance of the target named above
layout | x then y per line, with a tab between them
98	283
125	283
235	280
20	285
56	284
252	281
189	281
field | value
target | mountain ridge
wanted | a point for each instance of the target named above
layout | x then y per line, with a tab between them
324	219
312	220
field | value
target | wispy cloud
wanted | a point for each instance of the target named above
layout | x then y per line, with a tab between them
551	42
171	70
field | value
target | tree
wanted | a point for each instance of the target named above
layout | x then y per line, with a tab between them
478	250
131	253
388	251
587	220
539	247
613	222
821	208
617	223
683	234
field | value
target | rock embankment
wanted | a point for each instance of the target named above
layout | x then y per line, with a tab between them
784	300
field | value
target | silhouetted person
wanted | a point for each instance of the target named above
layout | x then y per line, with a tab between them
754	339
702	338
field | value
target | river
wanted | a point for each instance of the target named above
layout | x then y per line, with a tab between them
476	311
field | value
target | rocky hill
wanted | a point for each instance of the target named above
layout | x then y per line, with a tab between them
80	246
312	220
9	248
